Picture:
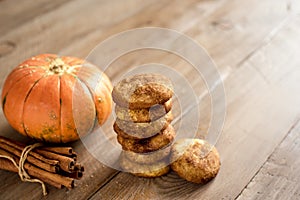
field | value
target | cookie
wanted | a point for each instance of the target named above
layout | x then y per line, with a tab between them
148	158
142	130
153	143
150	170
144	114
142	91
195	160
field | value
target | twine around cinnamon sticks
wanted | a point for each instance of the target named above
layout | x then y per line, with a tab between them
56	166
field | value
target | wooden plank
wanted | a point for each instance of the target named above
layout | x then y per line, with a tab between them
96	173
12	16
14	13
201	27
256	123
279	177
32	39
211	23
81	47
55	30
177	15
105	174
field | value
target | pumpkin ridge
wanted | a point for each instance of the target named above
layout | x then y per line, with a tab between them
21	78
98	84
32	67
106	100
67	124
25	131
3	102
60	101
78	110
92	95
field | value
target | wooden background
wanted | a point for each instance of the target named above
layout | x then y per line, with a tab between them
256	45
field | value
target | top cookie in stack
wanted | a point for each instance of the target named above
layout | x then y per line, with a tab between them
143	110
143	91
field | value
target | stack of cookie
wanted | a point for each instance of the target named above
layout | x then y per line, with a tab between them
143	111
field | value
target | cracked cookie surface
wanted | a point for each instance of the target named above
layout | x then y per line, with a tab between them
195	160
142	91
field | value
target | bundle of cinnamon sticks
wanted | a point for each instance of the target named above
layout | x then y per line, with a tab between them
56	166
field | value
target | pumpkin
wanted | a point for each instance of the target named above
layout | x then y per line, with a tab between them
55	98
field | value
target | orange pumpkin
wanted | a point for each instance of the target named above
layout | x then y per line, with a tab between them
56	98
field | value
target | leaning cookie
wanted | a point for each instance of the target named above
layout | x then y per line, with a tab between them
142	91
195	160
150	170
153	143
134	130
148	158
144	114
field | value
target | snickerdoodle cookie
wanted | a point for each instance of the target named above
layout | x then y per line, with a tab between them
142	91
149	170
195	160
142	130
150	157
153	143
144	114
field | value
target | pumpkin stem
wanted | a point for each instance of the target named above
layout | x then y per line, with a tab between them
58	66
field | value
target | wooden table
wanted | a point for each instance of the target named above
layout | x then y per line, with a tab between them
255	44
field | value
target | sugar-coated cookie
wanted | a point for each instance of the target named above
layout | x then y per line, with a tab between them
143	130
143	114
150	157
142	91
195	160
153	143
150	170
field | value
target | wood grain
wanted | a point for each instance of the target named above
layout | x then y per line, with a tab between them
203	28
279	176
45	34
15	13
255	52
84	187
247	134
56	30
94	169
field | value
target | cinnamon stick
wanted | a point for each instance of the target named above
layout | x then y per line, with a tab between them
30	158
75	174
79	167
53	179
9	166
56	166
68	151
21	146
65	163
74	156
